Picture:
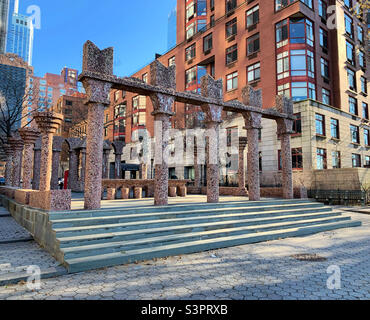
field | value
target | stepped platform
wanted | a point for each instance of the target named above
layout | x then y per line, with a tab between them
127	231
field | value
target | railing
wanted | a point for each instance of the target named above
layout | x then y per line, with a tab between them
339	197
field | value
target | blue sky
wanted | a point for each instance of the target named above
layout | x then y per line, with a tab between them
136	29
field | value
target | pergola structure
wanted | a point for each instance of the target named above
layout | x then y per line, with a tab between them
98	79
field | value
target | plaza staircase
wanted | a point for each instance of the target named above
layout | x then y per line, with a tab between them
95	239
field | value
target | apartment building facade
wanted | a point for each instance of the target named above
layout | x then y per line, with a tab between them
44	92
314	51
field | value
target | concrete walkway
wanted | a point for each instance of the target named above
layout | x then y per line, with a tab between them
18	251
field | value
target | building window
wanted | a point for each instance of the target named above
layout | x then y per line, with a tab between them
325	68
253	44
116	96
320	124
336	160
281	4
284	89
231	54
356	160
326	96
231	28
361	59
297	124
324	39
334	128
350	49
232	81
367	162
367	137
254	72
145	77
363	85
348	25
190	52
252	16
283	68
282	33
351	76
321	159
303	90
355	134
365	111
360	34
230	5
323	8
353	105
297	159
208	42
172	61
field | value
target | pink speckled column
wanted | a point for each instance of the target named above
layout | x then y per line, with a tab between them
29	136
253	120
143	171
284	131
94	156
241	169
55	169
9	164
117	166
100	62
105	170
17	145
212	161
36	168
162	105
197	168
212	89
48	123
73	170
162	126
83	168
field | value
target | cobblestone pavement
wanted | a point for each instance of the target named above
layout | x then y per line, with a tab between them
258	271
11	231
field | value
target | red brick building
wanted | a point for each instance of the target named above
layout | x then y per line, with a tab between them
283	47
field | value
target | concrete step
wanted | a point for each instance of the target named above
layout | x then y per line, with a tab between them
116	258
173	208
226	219
75	238
123	217
111	247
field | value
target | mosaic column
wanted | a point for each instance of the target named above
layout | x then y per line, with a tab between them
285	130
143	171
17	145
106	151
162	104
9	164
36	165
57	149
101	62
83	167
212	89
29	136
241	170
118	151
48	123
253	121
197	168
73	169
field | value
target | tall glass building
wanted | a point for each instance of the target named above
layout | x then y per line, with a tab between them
172	29
20	33
4	11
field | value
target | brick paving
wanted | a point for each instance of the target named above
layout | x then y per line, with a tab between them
252	272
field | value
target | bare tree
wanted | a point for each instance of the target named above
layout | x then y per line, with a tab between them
14	100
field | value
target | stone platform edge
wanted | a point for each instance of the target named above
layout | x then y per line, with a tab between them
36	222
